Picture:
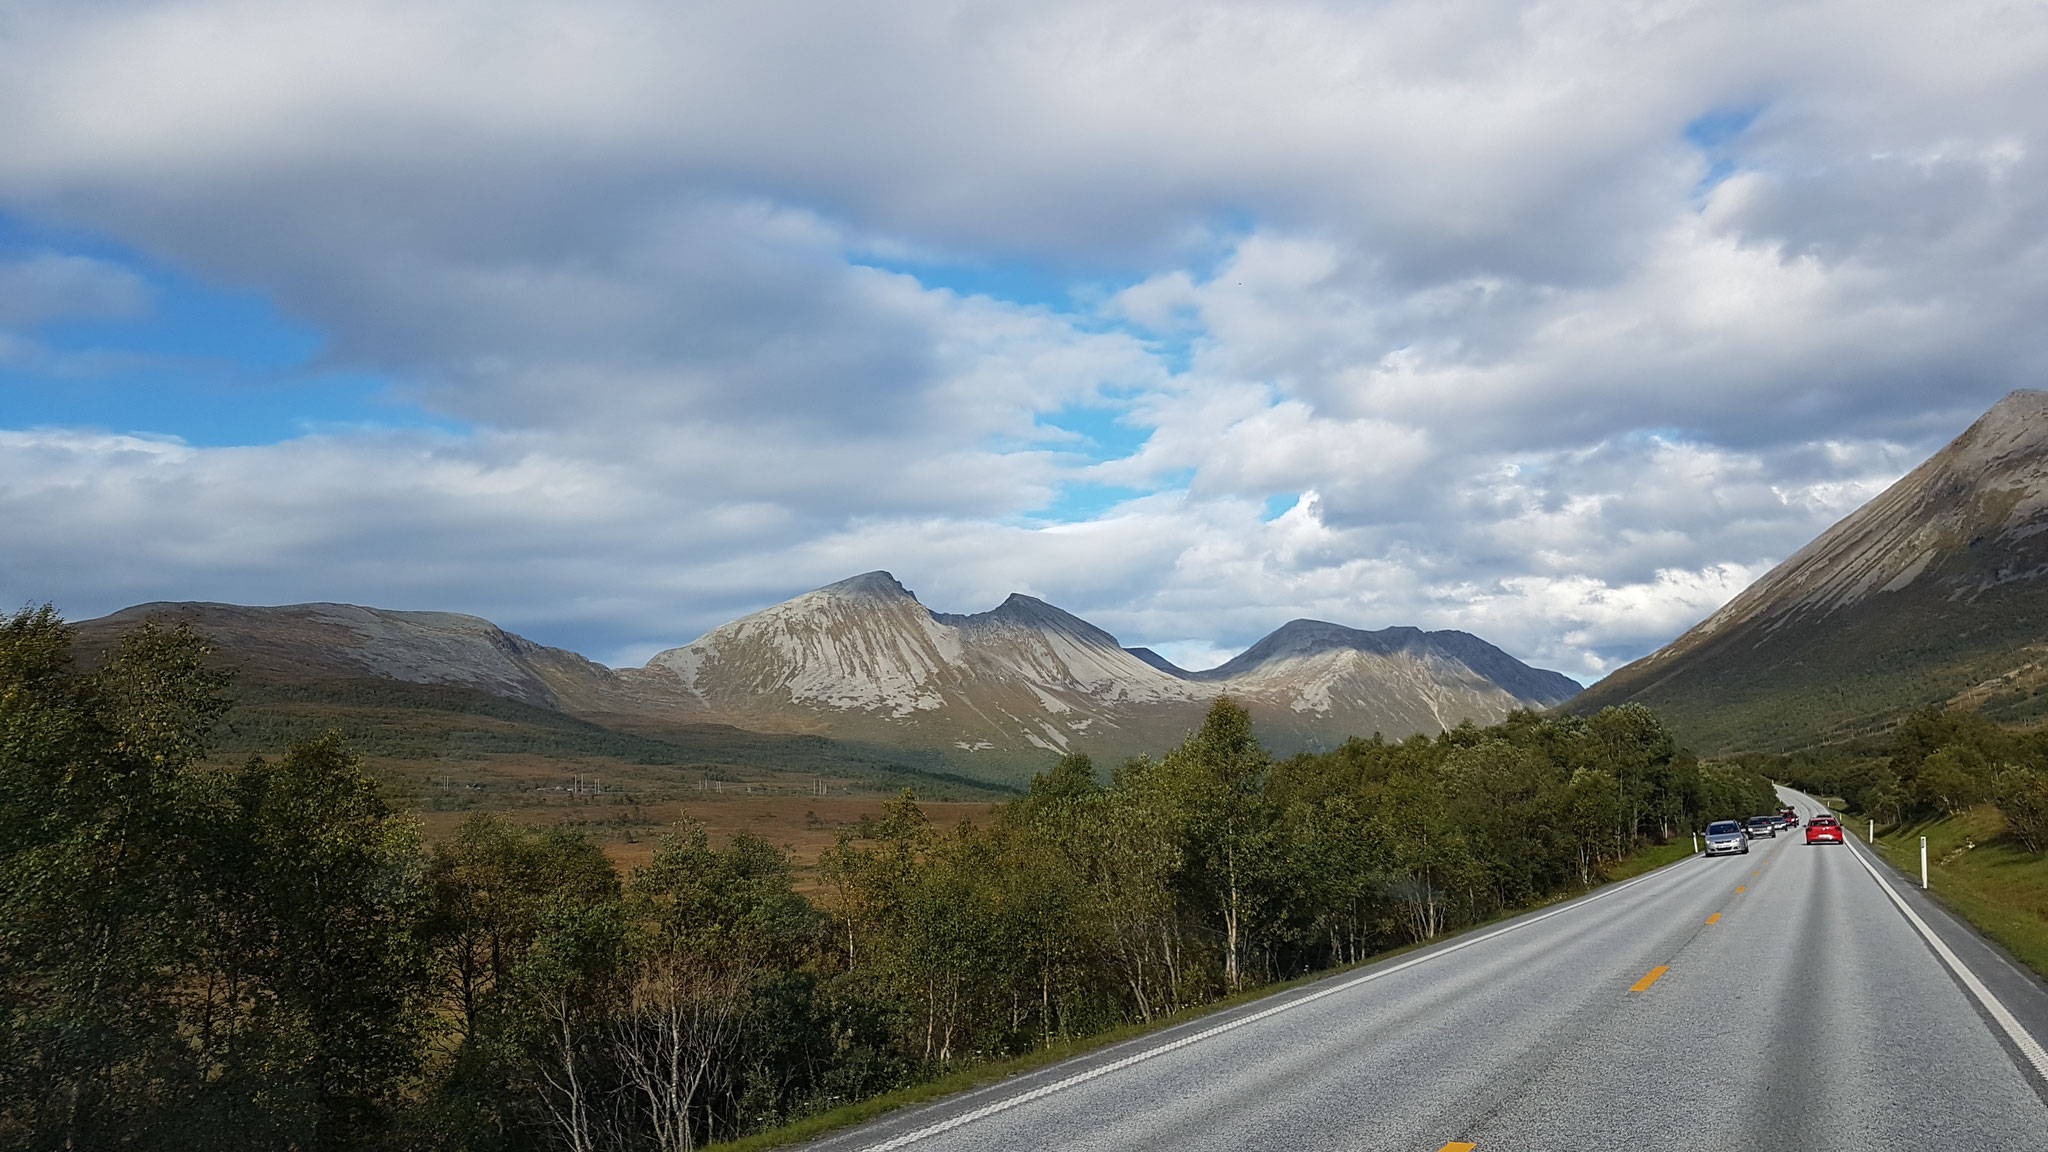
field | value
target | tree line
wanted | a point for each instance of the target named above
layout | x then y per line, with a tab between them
1937	762
266	956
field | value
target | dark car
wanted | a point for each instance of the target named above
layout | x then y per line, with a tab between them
1725	838
1761	826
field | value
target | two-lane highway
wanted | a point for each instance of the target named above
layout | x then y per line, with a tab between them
1776	1000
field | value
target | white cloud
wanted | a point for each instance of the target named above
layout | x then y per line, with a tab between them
1449	277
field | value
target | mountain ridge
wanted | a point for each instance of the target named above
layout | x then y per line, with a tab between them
862	659
1027	673
1931	592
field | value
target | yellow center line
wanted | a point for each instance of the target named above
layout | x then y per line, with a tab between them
1711	919
1454	1146
1744	888
1656	973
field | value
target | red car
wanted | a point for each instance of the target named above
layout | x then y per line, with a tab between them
1823	830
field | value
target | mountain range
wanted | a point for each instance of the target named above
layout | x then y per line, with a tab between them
864	658
1935	592
994	693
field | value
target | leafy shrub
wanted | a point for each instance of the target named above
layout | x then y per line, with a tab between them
2022	796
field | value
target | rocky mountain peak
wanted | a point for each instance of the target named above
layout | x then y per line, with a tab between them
1334	651
1300	639
863	658
2018	423
876	585
1024	613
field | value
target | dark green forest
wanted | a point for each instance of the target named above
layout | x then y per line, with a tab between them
264	955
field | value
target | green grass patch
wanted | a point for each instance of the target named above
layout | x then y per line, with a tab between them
974	1076
1988	880
438	723
1650	859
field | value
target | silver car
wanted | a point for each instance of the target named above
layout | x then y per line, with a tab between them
1763	826
1725	838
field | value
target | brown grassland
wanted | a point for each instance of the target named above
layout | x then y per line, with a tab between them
625	808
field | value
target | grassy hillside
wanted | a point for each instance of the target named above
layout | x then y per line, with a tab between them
1988	880
1805	683
417	730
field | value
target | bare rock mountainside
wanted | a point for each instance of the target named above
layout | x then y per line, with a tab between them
303	642
994	693
425	687
864	659
1934	592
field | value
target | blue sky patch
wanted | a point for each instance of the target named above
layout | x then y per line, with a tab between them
209	365
205	408
1082	501
1715	135
1104	430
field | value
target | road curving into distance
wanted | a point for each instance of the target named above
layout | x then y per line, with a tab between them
1796	997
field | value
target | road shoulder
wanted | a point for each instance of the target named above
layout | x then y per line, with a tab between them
2023	993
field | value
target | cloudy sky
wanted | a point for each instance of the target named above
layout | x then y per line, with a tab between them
612	320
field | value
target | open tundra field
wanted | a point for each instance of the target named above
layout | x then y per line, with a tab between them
629	829
447	753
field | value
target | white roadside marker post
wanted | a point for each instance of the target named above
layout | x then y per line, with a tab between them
1695	843
1923	863
1872	838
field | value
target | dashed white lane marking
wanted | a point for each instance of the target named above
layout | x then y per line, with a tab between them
1041	1092
1996	1009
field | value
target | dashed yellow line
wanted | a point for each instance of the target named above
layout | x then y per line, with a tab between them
1715	918
1656	974
1454	1146
1742	889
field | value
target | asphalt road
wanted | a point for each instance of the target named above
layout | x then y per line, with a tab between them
1795	1005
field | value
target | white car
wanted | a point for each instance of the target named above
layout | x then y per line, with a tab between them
1725	838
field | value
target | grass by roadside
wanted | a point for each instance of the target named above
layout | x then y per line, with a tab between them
1989	881
974	1076
1650	859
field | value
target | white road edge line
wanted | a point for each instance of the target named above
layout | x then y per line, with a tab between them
1043	1091
1996	1009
